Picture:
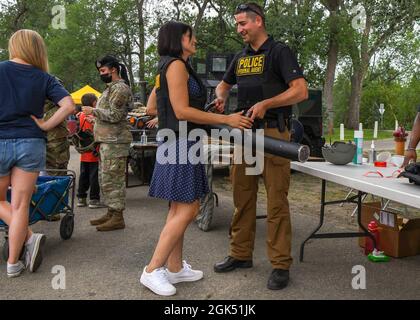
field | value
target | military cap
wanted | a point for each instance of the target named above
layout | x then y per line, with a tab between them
107	61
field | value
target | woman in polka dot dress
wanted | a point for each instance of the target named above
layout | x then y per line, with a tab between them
180	96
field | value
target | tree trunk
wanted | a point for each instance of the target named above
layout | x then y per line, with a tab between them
333	48
201	10
352	120
140	5
360	61
130	68
127	55
329	83
19	20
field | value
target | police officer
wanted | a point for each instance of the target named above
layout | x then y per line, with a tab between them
112	132
269	82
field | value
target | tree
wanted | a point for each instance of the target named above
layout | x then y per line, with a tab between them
380	24
333	47
302	25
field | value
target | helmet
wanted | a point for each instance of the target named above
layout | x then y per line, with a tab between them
83	141
339	152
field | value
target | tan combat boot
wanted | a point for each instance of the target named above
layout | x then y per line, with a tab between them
115	223
102	219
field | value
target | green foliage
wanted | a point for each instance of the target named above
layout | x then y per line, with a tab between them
99	27
399	99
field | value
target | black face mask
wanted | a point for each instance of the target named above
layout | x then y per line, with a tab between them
107	78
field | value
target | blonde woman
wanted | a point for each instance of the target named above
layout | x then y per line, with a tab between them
25	85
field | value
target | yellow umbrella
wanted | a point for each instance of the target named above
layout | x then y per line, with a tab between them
77	95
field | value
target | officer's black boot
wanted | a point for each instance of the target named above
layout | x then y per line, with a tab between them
229	264
278	280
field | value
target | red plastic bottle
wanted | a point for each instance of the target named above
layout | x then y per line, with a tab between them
374	230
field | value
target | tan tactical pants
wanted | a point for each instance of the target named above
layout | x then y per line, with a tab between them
276	175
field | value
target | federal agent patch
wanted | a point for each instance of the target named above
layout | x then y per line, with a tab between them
250	65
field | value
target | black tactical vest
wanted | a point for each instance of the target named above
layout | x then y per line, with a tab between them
257	81
166	114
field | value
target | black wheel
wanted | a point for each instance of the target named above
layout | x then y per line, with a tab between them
66	227
5	251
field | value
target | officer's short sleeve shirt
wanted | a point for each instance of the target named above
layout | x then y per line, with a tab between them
284	62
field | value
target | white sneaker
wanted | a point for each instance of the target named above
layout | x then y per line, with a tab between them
158	282
33	255
185	275
15	270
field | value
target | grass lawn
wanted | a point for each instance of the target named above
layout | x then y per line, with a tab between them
349	135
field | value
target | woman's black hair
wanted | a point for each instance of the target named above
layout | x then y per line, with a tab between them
170	38
112	62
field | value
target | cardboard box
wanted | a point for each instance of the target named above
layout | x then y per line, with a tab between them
399	237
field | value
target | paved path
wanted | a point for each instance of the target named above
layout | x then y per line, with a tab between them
107	265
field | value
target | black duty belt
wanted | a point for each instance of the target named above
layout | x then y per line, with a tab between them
265	123
280	123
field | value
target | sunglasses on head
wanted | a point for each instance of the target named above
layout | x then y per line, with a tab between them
246	7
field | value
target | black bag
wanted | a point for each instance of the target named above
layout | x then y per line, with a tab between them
412	172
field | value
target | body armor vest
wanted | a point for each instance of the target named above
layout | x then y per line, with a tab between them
166	114
257	81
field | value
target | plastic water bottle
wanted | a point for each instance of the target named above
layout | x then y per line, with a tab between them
143	138
372	153
358	140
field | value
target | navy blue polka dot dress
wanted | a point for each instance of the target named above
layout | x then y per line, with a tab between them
176	177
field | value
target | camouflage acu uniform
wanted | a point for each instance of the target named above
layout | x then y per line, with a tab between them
112	132
58	153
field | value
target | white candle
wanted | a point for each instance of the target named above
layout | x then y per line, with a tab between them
396	125
341	132
375	131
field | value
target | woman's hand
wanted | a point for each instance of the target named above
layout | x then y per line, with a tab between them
237	120
66	108
152	123
87	110
42	124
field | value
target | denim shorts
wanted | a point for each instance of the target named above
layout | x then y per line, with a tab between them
27	154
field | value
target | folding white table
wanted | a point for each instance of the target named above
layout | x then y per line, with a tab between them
353	176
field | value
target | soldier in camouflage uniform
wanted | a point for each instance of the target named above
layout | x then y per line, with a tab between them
58	153
112	132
